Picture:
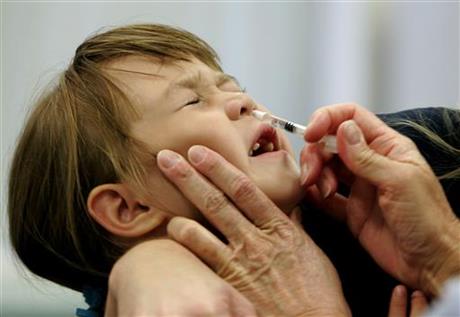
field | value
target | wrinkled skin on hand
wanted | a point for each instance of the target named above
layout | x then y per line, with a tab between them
162	278
263	264
268	257
396	207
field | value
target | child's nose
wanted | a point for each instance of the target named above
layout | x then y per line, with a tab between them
238	107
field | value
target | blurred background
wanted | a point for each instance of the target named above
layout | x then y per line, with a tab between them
292	57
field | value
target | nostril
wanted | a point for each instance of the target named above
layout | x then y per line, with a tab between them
237	108
247	108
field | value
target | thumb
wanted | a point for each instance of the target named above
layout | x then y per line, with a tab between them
360	158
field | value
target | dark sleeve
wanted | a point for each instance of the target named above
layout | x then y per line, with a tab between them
367	288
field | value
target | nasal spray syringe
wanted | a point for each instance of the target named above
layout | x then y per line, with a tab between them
329	141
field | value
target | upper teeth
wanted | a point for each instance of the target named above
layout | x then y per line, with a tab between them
255	147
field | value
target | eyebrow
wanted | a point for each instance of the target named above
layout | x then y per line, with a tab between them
194	80
223	78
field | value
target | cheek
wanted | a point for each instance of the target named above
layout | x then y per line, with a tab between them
234	154
165	197
220	137
192	128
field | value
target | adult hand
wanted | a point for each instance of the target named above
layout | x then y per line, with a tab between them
396	206
162	278
268	257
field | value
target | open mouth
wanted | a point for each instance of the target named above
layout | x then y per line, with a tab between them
266	141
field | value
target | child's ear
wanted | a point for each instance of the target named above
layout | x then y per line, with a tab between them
118	210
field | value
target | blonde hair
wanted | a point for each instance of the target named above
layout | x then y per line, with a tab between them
442	139
77	137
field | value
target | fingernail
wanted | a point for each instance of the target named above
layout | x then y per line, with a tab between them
303	173
167	159
400	291
416	294
196	154
352	133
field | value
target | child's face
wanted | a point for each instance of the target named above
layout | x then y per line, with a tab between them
188	103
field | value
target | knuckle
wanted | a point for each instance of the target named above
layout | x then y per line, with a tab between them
285	229
354	109
242	188
215	201
288	233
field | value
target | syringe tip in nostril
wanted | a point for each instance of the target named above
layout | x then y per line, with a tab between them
260	115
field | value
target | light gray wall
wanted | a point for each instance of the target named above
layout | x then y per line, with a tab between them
292	57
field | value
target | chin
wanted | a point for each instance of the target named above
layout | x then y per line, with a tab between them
278	176
287	197
281	183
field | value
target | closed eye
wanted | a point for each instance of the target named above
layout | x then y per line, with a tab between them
193	102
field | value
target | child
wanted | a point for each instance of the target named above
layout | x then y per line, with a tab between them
84	186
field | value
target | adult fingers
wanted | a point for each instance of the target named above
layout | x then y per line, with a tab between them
335	206
327	119
327	182
358	210
311	163
205	196
419	304
236	185
199	241
360	158
398	302
343	173
312	159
